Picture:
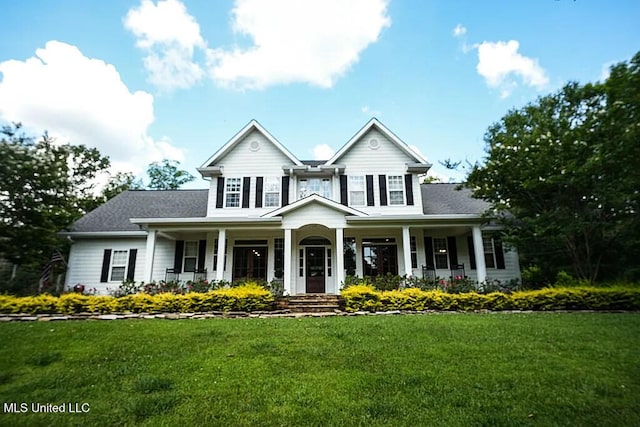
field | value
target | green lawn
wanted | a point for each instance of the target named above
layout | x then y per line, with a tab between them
449	369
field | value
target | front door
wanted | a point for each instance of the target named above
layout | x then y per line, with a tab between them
315	270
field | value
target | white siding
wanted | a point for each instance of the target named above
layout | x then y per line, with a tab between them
362	159
85	262
388	159
242	162
165	251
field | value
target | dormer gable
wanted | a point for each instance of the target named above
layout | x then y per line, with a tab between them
253	135
368	135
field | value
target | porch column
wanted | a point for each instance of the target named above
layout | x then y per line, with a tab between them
150	253
406	250
339	257
481	268
222	237
287	261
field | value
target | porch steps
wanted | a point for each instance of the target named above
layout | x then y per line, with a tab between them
314	303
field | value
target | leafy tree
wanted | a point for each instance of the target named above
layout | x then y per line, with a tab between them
120	182
166	176
564	174
44	186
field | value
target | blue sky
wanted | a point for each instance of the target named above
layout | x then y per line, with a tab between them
146	80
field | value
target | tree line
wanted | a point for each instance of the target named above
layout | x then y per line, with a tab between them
45	186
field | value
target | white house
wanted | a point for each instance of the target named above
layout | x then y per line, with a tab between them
268	215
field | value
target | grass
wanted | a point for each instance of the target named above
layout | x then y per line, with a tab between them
463	369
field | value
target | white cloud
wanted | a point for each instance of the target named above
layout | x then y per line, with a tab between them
459	31
83	101
169	35
500	62
314	42
322	152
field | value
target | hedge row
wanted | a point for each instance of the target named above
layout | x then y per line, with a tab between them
244	298
366	298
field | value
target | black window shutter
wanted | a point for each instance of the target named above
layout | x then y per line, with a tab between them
259	192
220	193
370	200
285	190
408	188
453	250
382	180
131	267
472	252
497	244
106	262
246	186
202	248
343	190
428	250
177	260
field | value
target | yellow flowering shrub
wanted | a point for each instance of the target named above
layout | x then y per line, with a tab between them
366	298
249	297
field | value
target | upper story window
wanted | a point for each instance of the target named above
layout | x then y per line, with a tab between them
233	189
119	265
356	190
395	185
320	186
271	192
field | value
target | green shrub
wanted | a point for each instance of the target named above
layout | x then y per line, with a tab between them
366	298
249	297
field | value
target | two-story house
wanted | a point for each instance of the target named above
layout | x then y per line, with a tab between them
268	215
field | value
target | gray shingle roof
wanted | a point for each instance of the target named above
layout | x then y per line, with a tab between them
114	215
438	199
443	199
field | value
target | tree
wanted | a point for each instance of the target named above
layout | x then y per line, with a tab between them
563	174
118	183
44	186
166	176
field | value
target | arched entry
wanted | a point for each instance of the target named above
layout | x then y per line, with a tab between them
316	260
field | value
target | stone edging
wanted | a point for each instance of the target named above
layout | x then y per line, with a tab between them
258	314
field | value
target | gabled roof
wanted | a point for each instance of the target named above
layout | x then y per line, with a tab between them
375	123
115	214
314	198
251	126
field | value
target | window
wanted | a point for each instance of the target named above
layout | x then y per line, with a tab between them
414	252
250	262
278	245
308	186
489	252
329	262
395	184
232	189
119	265
190	256
350	255
379	256
272	192
440	252
356	191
